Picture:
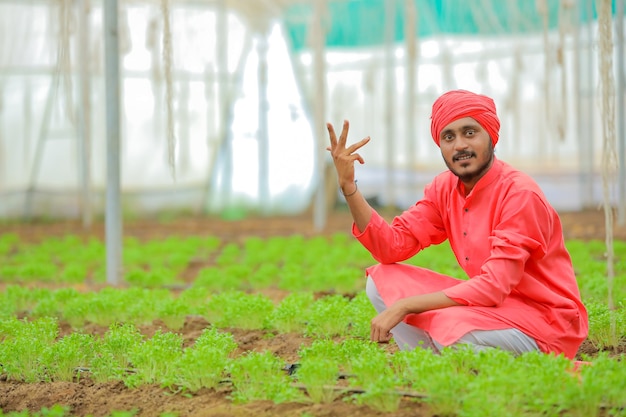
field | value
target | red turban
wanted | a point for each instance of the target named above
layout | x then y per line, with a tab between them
457	104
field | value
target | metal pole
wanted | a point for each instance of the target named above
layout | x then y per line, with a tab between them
113	216
319	65
411	83
224	89
621	114
578	94
84	120
263	134
588	193
390	29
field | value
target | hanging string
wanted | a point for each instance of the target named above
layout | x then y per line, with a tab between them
609	154
512	101
542	8
63	55
169	93
565	27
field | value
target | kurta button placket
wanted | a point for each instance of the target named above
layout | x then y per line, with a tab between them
466	224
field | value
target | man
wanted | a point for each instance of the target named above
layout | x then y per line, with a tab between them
521	294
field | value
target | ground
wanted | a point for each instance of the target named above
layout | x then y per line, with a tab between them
87	398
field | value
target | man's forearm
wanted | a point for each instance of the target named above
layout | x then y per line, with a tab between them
425	302
359	207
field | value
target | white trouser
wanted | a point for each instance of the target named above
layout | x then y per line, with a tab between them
409	337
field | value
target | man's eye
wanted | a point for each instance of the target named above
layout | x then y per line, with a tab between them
470	132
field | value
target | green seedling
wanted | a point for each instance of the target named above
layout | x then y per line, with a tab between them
330	316
173	312
22	345
292	313
319	376
238	309
218	279
154	359
372	371
112	358
62	359
204	364
259	376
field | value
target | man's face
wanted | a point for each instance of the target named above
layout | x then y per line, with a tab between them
467	150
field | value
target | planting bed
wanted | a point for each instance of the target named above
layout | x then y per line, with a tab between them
87	397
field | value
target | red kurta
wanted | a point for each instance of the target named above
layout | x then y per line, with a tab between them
509	241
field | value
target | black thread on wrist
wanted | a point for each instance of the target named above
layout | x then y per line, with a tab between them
356	188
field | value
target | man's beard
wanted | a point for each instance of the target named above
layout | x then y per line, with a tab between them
469	176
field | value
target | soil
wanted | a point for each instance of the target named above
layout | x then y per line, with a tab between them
84	397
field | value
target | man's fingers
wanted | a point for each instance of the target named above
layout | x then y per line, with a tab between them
344	134
359	158
356	146
343	138
377	335
332	135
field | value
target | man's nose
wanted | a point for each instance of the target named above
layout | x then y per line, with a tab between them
460	143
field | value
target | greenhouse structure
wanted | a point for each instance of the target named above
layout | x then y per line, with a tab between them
181	233
206	106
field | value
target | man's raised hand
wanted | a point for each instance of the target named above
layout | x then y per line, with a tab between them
344	157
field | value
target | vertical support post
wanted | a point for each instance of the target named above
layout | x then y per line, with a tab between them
113	217
262	133
578	109
390	88
223	85
84	116
319	74
411	84
621	114
588	152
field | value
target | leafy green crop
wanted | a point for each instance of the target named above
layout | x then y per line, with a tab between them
606	327
238	309
319	375
21	347
259	376
372	372
330	316
362	312
154	360
113	352
327	304
204	364
292	313
61	359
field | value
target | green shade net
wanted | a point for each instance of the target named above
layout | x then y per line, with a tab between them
361	23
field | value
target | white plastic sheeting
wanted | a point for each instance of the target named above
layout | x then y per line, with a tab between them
215	111
545	87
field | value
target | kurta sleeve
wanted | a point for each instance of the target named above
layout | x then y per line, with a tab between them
413	230
521	232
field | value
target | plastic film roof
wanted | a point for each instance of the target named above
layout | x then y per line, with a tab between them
361	23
